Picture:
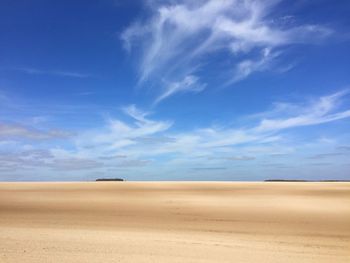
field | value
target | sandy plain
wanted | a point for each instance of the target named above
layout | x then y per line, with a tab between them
174	222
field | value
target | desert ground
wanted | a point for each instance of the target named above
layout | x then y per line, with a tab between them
175	222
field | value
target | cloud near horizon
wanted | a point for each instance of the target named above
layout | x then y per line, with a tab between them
142	141
175	90
178	38
18	131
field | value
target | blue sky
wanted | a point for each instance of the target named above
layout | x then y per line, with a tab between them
174	90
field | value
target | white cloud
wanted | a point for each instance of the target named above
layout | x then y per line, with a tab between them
148	143
132	163
241	158
17	131
320	111
119	134
249	66
188	84
136	114
62	73
180	36
71	164
234	143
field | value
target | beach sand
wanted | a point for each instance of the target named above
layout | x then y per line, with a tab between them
175	222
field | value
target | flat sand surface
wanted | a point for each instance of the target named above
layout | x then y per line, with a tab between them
175	222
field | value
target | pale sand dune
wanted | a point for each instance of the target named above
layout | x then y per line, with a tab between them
175	222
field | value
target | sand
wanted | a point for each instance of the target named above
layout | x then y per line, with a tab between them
174	222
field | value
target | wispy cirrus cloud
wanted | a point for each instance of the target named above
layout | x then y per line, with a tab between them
319	111
119	134
61	73
179	38
18	131
327	155
246	67
241	158
142	141
217	143
189	84
208	168
71	164
344	148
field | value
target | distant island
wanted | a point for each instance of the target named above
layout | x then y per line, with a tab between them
286	180
109	180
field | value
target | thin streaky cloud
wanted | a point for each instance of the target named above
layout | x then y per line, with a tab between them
35	71
154	88
327	155
124	138
241	158
208	168
320	111
247	67
344	148
13	131
188	84
121	144
179	36
136	113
